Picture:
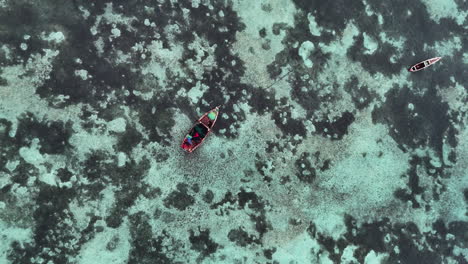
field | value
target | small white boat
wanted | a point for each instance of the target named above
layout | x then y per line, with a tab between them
424	64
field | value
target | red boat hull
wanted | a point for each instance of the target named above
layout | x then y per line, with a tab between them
423	64
200	130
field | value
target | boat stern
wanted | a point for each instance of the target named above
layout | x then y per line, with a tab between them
434	60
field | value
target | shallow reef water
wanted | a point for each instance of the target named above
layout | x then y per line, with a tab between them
326	149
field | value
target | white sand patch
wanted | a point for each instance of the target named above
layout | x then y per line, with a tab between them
115	32
96	251
117	125
162	59
88	142
399	43
302	249
348	255
84	11
352	183
445	9
314	28
56	37
445	48
371	179
372	257
457	251
196	92
455	96
111	17
121	159
256	18
48	178
452	206
11	165
83	74
31	154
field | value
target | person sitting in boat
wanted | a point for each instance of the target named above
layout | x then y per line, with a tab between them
420	65
192	139
197	134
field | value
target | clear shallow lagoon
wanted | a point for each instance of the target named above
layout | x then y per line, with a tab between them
327	149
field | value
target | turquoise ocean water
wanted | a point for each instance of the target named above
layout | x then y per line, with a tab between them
326	149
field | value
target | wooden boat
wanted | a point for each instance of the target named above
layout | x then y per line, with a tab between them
198	133
424	64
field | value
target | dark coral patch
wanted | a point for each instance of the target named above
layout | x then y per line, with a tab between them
158	122
427	128
242	238
360	95
379	61
225	205
413	175
129	139
460	230
306	171
335	129
5	127
202	243
147	247
409	252
403	241
268	253
305	94
267	102
208	196
331	15
128	178
250	198
465	194
287	124
23	173
53	135
51	229
179	199
64	174
95	165
18	19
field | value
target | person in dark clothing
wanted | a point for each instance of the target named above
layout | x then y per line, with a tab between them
198	133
